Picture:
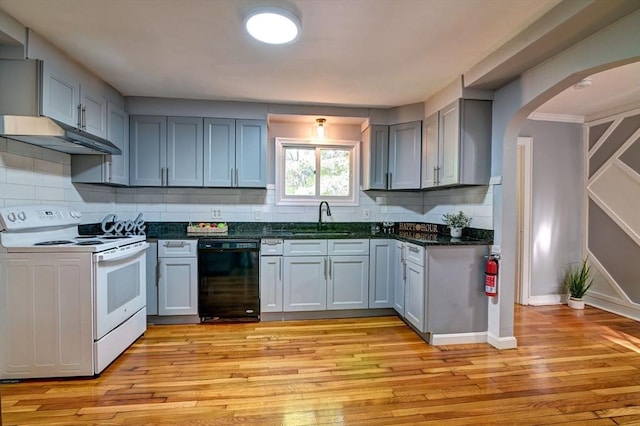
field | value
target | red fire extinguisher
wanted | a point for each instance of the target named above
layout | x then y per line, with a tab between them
491	276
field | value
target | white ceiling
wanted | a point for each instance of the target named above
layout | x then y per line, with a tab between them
371	53
615	87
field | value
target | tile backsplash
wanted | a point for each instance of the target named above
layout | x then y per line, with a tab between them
35	175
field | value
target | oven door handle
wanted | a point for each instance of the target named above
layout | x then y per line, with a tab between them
121	254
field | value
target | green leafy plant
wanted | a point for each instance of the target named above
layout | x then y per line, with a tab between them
456	220
578	280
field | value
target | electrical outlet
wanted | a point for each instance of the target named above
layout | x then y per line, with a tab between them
366	214
216	213
257	214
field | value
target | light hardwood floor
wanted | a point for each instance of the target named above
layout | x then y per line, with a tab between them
571	367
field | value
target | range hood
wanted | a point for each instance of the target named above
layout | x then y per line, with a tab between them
22	118
49	133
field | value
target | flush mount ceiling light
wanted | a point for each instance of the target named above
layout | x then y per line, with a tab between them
585	82
273	25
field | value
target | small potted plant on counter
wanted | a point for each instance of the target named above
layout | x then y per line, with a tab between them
578	281
456	221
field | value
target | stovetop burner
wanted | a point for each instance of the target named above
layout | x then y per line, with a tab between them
89	242
53	243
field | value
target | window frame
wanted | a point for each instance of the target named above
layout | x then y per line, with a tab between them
312	200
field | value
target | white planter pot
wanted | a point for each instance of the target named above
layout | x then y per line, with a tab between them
576	303
456	232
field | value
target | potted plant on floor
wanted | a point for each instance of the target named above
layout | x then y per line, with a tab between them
578	281
456	221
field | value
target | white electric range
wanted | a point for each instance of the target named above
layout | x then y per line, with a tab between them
70	304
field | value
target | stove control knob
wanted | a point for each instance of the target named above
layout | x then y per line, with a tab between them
22	216
12	217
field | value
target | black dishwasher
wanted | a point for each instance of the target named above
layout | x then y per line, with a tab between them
228	280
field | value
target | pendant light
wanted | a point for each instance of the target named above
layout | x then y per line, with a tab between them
320	128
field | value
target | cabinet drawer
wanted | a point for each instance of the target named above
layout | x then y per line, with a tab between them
271	247
305	247
348	247
414	253
177	248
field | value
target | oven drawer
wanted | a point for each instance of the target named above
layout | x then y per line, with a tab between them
177	248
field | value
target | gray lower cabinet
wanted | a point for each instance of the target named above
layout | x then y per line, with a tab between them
235	153
305	283
414	297
399	281
325	274
166	151
443	292
348	282
271	273
177	277
382	273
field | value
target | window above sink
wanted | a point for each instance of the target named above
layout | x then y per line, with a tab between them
308	171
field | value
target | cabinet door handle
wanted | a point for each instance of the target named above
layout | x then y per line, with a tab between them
390	180
386	180
161	176
237	180
79	116
404	271
231	171
178	244
280	270
84	117
325	268
413	249
438	175
330	266
167	172
435	176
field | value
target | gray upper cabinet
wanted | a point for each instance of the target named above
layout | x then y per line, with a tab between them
118	133
166	151
219	151
147	150
251	154
405	144
375	157
235	153
107	169
184	151
461	153
430	160
66	99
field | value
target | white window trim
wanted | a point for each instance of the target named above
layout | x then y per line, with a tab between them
280	198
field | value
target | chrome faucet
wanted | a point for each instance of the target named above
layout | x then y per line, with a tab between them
320	214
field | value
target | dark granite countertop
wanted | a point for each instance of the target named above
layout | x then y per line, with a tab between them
417	233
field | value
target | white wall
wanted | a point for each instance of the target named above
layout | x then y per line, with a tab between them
34	175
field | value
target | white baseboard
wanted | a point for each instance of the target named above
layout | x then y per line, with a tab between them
547	299
611	305
457	338
502	342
